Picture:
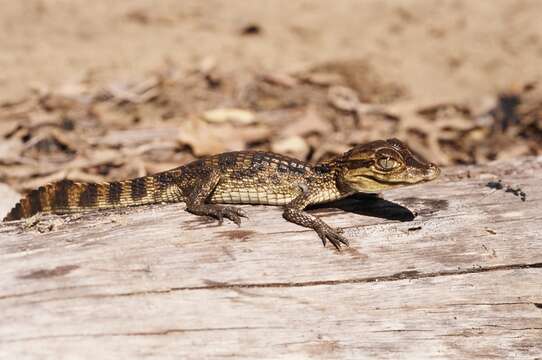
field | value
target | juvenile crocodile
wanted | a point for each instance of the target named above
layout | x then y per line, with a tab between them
245	177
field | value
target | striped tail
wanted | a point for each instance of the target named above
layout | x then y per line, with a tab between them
66	196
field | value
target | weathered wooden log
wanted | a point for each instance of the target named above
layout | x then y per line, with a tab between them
448	269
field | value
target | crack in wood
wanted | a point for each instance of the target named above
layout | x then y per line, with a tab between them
529	303
494	304
401	330
37	292
479	331
142	333
406	275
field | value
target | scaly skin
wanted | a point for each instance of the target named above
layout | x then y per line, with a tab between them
245	177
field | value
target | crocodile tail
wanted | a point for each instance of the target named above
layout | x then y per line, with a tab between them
67	196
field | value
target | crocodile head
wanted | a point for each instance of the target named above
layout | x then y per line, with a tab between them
381	165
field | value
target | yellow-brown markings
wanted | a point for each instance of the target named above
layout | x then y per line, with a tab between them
138	189
34	201
15	213
114	192
89	196
67	196
74	192
46	198
61	193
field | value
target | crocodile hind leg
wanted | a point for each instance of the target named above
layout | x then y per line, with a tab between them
196	200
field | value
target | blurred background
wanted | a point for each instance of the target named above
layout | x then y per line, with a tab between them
103	90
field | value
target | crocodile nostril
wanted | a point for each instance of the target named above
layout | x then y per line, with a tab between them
432	172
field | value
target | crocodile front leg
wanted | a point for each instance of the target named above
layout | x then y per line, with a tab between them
293	212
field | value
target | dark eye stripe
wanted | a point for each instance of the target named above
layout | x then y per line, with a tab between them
356	164
390	153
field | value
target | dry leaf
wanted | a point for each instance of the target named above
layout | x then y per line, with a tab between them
10	149
135	93
8	127
236	116
208	139
283	80
295	146
310	123
323	78
137	136
343	98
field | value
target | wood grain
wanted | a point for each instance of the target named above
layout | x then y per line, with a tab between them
449	269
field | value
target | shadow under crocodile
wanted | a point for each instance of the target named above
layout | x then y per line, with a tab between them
367	205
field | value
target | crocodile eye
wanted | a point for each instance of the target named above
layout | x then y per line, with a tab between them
387	164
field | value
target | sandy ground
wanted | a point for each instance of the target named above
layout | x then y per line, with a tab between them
439	50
